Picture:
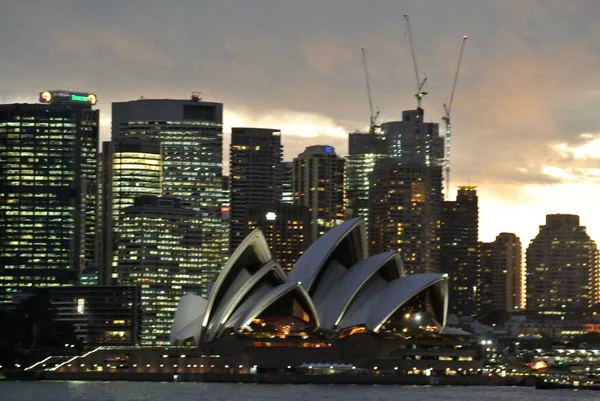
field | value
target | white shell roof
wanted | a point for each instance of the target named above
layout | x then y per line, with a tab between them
254	241
187	321
273	296
314	259
374	312
333	303
232	301
334	280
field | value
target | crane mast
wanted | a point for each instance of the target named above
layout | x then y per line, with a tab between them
420	83
373	116
446	118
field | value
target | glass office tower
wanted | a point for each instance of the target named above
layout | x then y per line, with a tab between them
159	249
131	167
191	136
48	194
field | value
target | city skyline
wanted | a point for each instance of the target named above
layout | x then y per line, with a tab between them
524	129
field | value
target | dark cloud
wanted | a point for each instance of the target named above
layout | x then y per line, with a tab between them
525	84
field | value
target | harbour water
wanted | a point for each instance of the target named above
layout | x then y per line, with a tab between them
136	391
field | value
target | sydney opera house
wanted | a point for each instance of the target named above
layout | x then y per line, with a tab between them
338	306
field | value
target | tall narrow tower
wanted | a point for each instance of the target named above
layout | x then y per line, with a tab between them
459	252
255	175
319	185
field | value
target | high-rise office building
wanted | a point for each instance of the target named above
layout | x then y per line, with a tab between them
131	167
286	228
254	175
404	213
48	191
365	149
159	248
405	198
319	185
459	250
501	280
191	136
287	182
562	266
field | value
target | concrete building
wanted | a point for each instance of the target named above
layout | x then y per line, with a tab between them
131	167
286	229
319	185
191	136
48	192
502	279
562	266
404	213
459	250
159	248
101	315
255	175
365	149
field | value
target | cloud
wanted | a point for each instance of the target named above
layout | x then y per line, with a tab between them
298	129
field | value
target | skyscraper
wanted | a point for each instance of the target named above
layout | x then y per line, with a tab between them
404	213
459	250
405	199
365	149
48	191
319	185
255	175
191	135
501	282
562	266
159	247
131	167
286	228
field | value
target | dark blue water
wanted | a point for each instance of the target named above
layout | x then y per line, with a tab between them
117	391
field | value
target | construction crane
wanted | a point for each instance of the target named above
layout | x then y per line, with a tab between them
446	118
373	117
420	83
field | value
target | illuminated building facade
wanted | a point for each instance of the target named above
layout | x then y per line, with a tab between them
414	141
365	149
101	315
159	248
286	228
131	167
405	204
48	194
562	266
459	250
191	135
287	182
501	283
254	175
319	185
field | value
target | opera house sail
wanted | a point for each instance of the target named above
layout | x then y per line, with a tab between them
334	291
